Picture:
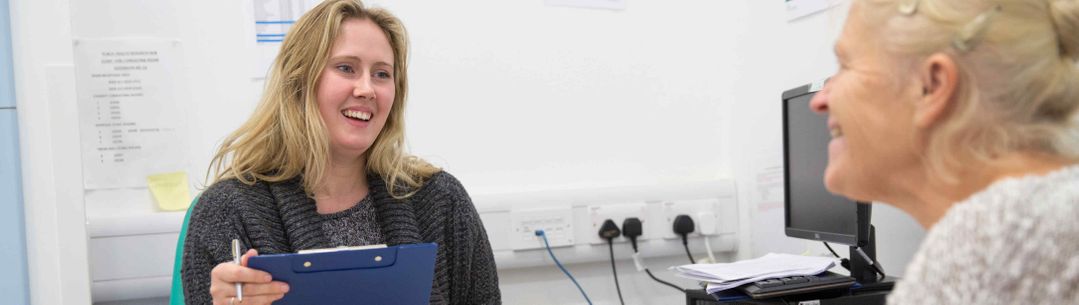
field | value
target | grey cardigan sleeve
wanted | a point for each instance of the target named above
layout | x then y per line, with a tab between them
196	272
483	272
204	245
475	276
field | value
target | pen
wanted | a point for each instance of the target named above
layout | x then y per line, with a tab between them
236	259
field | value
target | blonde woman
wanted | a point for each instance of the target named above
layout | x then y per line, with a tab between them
321	164
962	113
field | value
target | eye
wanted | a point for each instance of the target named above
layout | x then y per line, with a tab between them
383	75
345	68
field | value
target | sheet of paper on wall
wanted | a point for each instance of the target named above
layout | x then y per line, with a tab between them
131	115
600	4
171	191
801	8
272	20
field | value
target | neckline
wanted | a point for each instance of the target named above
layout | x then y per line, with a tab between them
365	202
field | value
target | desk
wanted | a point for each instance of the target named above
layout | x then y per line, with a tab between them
871	297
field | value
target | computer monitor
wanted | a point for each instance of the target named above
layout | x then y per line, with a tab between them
810	210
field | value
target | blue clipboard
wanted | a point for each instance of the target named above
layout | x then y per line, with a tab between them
393	275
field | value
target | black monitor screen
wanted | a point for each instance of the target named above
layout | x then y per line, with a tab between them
811	211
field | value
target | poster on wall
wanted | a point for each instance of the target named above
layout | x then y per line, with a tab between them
801	8
766	193
272	19
130	113
600	4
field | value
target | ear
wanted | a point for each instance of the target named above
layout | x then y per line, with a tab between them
940	81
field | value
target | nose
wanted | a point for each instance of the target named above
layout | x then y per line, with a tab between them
363	89
819	103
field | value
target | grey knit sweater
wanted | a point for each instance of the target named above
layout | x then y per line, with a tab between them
1015	242
280	218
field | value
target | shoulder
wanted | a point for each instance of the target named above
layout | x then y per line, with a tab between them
444	183
1023	208
226	193
442	191
1020	208
224	198
1009	235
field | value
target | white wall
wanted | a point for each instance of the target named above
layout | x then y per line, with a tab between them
631	97
41	37
510	96
778	55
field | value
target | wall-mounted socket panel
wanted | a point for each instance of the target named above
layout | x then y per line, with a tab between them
727	215
691	207
556	223
497	225
572	218
617	213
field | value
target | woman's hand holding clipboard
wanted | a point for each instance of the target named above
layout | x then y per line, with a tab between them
258	286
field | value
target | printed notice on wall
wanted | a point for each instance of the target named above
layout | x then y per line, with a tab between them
130	117
273	18
617	5
801	8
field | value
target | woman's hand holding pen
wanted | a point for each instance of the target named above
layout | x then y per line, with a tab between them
258	286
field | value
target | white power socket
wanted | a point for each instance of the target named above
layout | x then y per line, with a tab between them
617	213
557	224
706	223
693	208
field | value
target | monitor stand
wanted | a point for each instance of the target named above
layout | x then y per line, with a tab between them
861	269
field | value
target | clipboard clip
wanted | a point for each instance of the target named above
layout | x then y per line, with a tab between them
344	260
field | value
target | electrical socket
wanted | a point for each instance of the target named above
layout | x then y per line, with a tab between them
695	208
557	224
617	213
706	222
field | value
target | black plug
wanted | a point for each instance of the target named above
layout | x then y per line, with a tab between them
631	228
609	230
683	225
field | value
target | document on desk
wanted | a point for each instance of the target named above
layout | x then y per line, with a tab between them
772	265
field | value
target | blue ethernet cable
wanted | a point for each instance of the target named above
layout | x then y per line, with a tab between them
540	233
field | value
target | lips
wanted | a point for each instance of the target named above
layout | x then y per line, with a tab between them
834	129
838	145
357	115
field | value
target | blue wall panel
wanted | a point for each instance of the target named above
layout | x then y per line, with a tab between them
7	83
13	280
13	277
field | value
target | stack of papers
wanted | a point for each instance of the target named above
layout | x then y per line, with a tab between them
773	265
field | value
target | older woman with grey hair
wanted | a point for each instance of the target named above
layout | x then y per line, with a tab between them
969	107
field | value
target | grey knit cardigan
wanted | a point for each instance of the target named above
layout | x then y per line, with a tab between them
279	217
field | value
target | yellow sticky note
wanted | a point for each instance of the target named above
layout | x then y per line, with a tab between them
170	190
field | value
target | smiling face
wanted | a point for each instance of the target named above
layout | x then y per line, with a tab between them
356	88
870	115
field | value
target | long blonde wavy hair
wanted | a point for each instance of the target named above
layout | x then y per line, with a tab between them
286	136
